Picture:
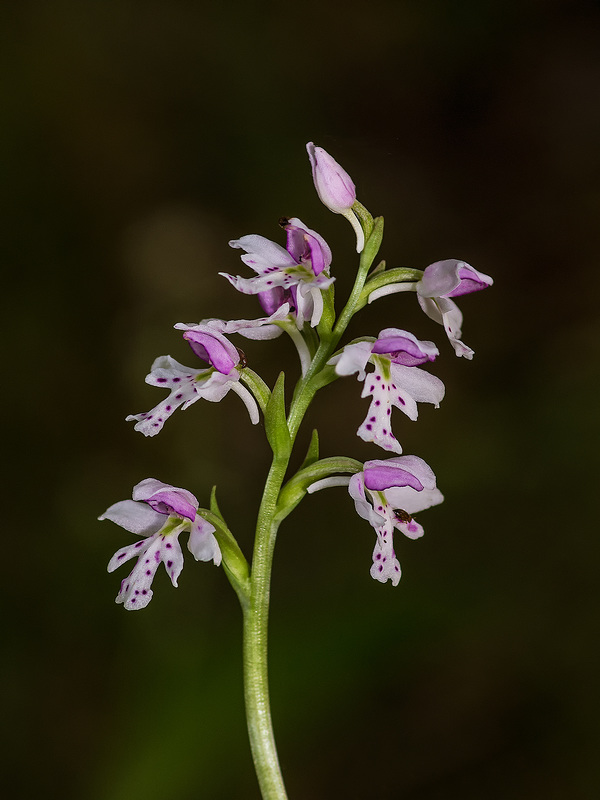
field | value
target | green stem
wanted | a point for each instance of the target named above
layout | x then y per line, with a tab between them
256	614
256	610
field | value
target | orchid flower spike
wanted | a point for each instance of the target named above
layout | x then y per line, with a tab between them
335	188
396	380
295	275
188	385
387	493
160	513
442	281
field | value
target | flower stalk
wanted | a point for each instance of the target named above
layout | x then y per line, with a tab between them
255	645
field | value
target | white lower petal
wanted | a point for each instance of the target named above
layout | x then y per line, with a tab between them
418	384
353	358
386	566
202	544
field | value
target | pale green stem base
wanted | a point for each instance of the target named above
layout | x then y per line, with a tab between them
256	614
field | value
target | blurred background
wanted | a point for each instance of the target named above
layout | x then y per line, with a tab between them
138	138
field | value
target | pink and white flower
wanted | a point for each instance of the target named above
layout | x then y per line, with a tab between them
158	512
396	380
442	281
295	275
387	493
188	385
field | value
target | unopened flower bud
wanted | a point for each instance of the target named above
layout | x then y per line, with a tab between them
335	188
333	184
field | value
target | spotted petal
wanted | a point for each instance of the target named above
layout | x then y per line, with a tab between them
263	255
181	380
395	385
135	592
386	566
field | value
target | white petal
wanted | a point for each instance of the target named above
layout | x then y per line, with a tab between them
445	312
135	517
353	358
263	254
123	554
419	384
168	373
364	509
135	590
151	422
386	566
261	283
202	544
412	529
412	501
262	328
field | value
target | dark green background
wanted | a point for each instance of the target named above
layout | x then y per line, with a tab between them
138	138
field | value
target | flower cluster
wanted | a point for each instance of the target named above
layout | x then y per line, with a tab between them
294	288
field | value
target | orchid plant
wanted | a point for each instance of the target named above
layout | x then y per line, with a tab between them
295	290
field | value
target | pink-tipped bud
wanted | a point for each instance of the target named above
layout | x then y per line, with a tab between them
333	184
